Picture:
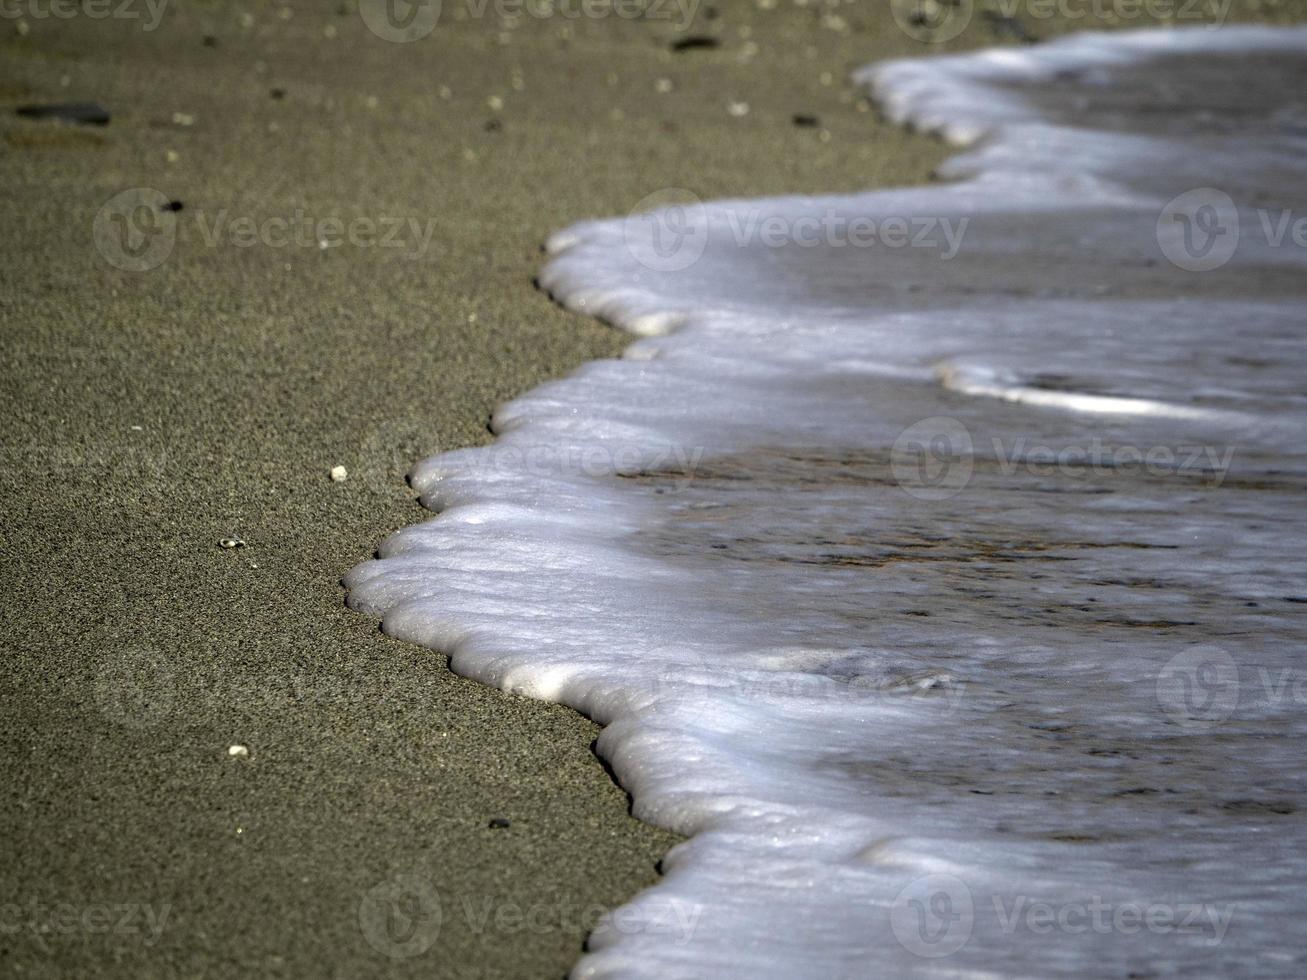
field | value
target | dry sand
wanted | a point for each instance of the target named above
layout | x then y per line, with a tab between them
150	414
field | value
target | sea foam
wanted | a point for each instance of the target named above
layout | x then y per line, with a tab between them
935	562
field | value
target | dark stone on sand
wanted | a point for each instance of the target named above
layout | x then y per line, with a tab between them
500	823
492	125
210	41
174	206
277	93
86	113
695	42
803	119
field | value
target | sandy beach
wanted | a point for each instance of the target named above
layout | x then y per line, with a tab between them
211	764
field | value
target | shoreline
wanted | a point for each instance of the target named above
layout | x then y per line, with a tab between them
141	651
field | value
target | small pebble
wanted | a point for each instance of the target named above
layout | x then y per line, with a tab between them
803	119
86	113
663	85
695	42
495	103
500	823
277	93
174	206
737	109
238	751
232	543
339	474
183	119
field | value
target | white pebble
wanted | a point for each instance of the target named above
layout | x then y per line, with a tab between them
238	751
737	109
339	474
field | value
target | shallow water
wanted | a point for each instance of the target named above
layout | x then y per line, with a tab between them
936	561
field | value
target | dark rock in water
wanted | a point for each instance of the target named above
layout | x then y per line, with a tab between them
174	206
87	113
277	93
695	42
803	119
499	823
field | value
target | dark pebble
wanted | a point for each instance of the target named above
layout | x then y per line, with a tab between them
277	93
492	126
695	42
210	41
174	206
500	823
87	113
801	119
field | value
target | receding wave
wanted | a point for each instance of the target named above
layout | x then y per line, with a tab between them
935	558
